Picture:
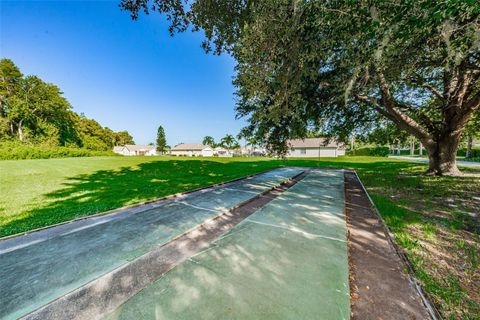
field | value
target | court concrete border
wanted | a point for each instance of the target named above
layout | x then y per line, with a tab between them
432	310
107	292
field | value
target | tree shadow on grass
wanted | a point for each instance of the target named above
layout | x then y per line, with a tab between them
104	190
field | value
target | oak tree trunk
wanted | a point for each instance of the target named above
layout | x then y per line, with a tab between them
442	155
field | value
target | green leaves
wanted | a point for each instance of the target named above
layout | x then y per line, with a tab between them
35	111
161	140
340	65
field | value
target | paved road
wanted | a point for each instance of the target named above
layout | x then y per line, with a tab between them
36	269
286	261
418	159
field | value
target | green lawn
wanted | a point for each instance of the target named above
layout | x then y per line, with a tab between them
435	219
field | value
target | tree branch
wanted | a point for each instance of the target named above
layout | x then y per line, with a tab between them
429	87
373	102
403	120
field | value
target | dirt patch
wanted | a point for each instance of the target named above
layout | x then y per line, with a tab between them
380	287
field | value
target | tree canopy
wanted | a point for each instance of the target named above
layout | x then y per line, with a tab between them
34	111
229	142
208	141
340	65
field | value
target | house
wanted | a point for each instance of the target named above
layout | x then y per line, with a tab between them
118	149
253	151
199	150
207	152
222	152
314	148
135	150
189	149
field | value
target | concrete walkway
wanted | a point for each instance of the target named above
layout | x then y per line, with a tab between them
38	268
286	261
425	160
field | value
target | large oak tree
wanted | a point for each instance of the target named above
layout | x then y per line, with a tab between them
339	65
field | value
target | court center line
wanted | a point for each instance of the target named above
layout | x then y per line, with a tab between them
293	230
239	190
196	207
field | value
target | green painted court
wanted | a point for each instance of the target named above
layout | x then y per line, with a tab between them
288	259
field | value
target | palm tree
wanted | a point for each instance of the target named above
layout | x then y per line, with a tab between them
209	141
228	141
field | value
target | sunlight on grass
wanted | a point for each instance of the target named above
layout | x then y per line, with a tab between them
433	218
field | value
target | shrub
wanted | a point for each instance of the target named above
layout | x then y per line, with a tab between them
12	150
370	151
463	152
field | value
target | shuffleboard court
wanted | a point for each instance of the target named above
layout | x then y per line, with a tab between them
288	260
34	274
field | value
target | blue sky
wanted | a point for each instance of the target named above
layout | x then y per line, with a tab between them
128	75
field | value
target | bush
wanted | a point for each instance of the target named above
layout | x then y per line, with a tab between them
12	150
370	151
463	152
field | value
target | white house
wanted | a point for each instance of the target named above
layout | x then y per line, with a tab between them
314	148
189	149
254	151
199	150
207	152
222	152
135	150
118	149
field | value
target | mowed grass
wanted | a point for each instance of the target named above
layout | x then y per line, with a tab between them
435	220
38	193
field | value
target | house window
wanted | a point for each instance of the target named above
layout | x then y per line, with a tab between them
303	150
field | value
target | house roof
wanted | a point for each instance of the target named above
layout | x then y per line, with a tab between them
117	148
313	143
137	147
189	146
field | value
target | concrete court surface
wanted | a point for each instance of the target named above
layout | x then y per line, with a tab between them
33	274
288	260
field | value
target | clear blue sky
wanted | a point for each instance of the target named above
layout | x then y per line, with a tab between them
128	75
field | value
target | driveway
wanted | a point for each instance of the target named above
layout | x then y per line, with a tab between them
425	160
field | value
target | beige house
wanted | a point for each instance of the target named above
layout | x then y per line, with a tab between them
188	149
135	150
314	148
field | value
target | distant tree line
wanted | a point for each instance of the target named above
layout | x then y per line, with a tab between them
34	111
